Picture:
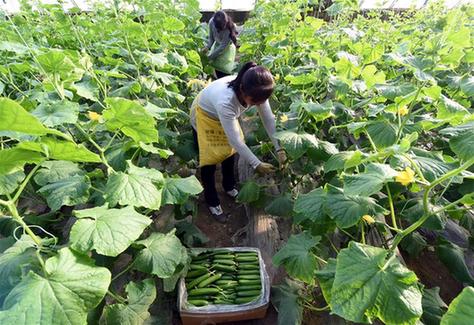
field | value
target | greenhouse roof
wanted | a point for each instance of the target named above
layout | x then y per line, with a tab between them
12	6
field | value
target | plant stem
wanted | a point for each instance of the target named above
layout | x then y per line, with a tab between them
125	270
447	207
23	184
84	133
99	148
332	245
348	234
111	141
320	259
371	141
40	259
116	297
362	232
392	209
98	190
15	215
310	307
405	120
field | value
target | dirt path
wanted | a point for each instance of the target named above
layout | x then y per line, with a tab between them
222	235
230	234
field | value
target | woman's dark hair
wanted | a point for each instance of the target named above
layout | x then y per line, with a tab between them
223	21
254	81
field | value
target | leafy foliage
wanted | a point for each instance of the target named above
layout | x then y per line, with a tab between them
375	115
84	98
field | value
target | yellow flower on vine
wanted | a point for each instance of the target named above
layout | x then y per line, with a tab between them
405	177
93	116
369	219
284	118
402	111
277	77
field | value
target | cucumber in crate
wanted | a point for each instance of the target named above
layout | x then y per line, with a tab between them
223	277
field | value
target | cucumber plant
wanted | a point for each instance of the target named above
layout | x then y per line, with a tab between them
375	113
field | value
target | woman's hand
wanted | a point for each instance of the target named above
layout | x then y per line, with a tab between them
281	157
265	168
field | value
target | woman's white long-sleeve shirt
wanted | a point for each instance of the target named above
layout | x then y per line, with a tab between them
221	102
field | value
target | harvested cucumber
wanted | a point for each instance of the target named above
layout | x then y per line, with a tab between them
198	303
203	291
244	300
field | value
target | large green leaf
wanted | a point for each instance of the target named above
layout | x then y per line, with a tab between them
140	187
108	231
57	62
13	160
393	91
320	112
281	206
16	118
451	111
62	150
178	190
371	76
10	182
14	261
161	255
71	287
343	160
368	286
135	312
421	67
413	244
87	89
370	181
302	79
467	86
286	298
347	69
297	258
433	306
347	210
326	277
432	166
67	191
14	47
250	192
452	256
310	206
461	140
63	183
296	144
163	153
460	310
53	171
57	113
131	118
383	133
190	234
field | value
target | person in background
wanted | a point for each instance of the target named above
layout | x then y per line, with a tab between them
221	45
217	133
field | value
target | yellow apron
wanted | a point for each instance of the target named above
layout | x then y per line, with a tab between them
214	146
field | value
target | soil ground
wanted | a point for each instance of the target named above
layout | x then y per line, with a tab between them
230	234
